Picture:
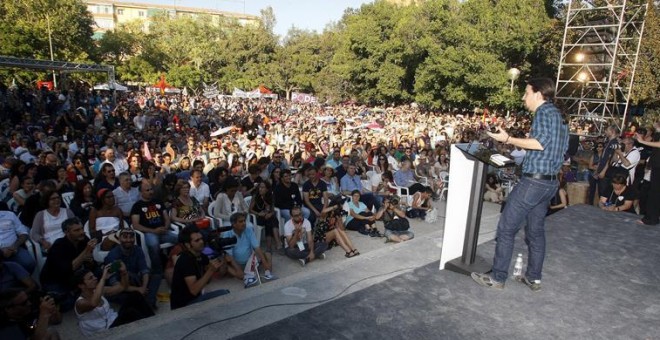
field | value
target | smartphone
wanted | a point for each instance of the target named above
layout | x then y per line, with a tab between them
114	267
98	236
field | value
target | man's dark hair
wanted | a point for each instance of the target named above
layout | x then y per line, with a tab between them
186	233
236	216
253	169
198	162
284	172
544	85
70	222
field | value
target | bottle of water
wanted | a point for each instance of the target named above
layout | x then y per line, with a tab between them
517	268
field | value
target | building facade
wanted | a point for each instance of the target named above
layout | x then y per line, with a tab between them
109	14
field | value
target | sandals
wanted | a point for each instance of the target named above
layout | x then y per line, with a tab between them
352	253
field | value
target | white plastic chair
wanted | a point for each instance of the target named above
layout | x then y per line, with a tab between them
35	251
4	188
67	197
422	179
13	205
445	186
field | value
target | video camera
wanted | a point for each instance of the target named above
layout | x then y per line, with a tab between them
220	244
337	201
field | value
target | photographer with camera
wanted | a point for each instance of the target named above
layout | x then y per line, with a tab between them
193	271
397	226
624	161
19	319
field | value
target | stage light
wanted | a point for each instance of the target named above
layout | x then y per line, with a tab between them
583	77
579	57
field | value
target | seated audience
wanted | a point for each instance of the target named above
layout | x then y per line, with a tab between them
13	235
193	271
93	310
300	243
359	218
47	225
105	219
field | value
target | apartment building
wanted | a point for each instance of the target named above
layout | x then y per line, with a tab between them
109	14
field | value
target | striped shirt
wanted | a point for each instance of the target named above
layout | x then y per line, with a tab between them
549	130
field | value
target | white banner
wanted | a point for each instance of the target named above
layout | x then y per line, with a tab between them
298	97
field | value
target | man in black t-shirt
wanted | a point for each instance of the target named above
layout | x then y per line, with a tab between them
286	195
192	271
249	182
149	216
65	256
314	194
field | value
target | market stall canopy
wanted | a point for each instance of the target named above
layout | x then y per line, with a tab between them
110	86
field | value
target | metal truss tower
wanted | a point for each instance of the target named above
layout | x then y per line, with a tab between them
599	54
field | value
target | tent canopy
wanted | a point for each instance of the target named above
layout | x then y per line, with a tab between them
111	86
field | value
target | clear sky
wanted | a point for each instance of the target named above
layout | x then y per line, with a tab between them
305	14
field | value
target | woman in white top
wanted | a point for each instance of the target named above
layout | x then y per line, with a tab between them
93	311
105	217
47	224
229	202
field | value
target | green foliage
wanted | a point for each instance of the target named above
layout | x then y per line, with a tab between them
439	53
646	89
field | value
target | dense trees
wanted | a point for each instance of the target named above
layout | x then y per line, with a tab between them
440	53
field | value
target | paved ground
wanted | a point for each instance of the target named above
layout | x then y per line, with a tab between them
299	288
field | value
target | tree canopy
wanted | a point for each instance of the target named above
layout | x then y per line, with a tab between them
439	53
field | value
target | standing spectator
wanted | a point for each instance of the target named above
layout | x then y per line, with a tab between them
652	206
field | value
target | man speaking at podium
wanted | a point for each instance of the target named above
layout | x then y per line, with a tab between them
529	200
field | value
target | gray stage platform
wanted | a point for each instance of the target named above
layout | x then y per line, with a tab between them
601	281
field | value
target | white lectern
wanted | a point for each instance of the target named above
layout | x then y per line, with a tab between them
467	177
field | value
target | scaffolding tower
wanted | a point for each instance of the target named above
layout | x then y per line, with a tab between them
599	53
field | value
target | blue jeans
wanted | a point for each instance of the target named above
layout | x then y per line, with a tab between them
209	295
23	258
153	246
286	213
529	203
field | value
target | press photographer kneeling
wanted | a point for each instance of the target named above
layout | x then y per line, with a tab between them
397	226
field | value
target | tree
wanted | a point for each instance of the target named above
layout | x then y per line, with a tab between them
24	29
646	87
297	62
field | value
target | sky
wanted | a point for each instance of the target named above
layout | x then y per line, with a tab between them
305	14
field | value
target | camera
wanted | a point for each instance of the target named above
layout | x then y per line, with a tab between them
337	201
220	244
395	200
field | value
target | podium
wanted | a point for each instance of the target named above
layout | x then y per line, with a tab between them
467	177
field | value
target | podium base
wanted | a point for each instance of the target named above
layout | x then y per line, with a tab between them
480	265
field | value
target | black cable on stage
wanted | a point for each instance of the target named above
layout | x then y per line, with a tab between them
293	303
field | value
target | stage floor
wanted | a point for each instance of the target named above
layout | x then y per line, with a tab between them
601	281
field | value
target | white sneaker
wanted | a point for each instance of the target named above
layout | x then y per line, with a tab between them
302	262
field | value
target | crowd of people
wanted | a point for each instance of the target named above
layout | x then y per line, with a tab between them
85	174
